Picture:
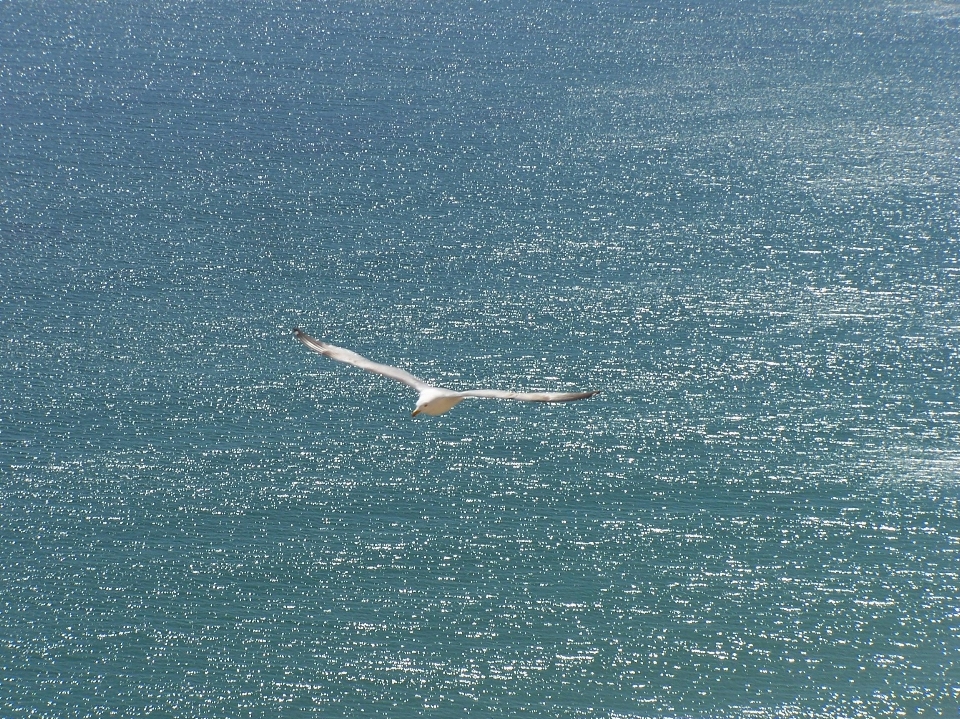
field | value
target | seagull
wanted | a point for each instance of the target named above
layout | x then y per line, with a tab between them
433	400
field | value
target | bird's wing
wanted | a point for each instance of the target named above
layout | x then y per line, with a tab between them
528	396
347	357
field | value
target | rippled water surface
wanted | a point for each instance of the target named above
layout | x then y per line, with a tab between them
740	222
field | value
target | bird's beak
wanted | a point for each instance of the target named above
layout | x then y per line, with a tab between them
415	412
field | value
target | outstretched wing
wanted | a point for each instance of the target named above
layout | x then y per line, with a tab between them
528	396
352	358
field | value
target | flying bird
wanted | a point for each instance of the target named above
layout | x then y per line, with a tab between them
433	400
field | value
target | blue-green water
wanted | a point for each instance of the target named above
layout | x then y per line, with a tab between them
739	220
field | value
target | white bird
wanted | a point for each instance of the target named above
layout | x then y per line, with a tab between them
433	400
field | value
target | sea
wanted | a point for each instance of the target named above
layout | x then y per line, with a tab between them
739	220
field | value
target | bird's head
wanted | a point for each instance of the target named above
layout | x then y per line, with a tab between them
427	405
425	402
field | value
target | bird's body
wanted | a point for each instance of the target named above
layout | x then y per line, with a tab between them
436	401
433	400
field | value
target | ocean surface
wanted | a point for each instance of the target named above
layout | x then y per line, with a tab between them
740	221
